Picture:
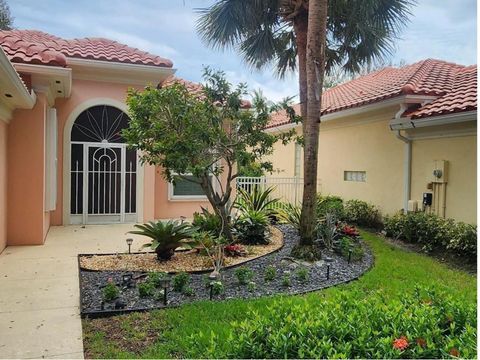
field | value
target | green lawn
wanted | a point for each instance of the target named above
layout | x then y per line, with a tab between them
165	334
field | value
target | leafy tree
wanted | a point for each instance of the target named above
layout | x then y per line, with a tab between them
204	134
269	32
6	20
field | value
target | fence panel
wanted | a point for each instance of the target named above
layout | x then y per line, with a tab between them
287	189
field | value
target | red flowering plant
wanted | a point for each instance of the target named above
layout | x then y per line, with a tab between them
350	231
401	343
235	250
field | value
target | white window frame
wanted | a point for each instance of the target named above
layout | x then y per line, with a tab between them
359	176
51	136
173	197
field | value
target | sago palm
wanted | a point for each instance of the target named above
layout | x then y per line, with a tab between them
166	236
274	32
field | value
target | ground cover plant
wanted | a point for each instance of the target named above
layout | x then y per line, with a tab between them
187	331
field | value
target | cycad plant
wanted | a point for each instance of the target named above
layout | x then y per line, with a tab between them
166	236
256	200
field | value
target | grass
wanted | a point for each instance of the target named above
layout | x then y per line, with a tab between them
164	334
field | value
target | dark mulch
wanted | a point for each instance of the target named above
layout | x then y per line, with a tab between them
449	258
92	282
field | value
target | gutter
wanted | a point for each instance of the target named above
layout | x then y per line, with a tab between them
407	168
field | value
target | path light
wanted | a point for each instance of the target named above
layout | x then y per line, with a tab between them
182	219
129	243
328	260
164	284
350	249
211	290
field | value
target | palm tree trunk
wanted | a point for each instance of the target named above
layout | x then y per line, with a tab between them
300	27
315	68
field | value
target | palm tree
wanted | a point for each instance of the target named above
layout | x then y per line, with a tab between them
267	32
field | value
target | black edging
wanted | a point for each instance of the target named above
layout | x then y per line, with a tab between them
108	312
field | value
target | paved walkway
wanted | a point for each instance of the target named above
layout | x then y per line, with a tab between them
39	296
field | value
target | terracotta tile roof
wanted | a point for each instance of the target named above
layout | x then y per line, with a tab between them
427	77
36	47
196	88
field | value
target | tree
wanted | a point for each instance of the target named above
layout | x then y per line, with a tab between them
204	134
269	32
6	20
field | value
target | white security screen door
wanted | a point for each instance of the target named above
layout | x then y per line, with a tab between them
103	172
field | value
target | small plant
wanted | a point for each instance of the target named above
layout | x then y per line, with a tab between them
207	221
327	230
159	295
251	228
217	287
155	278
256	200
146	289
188	291
244	275
286	280
346	245
180	281
251	286
302	274
235	250
350	231
166	236
290	214
270	273
110	291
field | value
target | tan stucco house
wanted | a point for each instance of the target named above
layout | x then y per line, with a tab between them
62	160
394	135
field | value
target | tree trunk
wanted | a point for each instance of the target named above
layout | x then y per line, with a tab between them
300	26
315	68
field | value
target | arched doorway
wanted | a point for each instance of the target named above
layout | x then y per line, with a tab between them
103	172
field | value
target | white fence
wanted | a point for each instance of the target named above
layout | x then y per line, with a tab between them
286	189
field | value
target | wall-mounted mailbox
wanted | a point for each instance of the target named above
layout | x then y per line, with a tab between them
427	199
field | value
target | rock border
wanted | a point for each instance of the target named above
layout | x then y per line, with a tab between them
341	272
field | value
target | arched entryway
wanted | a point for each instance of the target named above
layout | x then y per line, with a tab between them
103	172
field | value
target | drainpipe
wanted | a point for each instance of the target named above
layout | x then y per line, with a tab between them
407	169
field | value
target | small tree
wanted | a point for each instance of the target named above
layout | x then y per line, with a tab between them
6	20
205	133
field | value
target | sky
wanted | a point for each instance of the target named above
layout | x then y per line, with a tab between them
441	29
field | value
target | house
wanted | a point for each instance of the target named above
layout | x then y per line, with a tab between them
395	137
62	160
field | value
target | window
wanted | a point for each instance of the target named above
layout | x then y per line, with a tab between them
359	176
182	189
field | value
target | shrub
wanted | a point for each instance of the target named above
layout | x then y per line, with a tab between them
286	280
146	289
346	244
244	275
235	250
207	221
217	287
188	291
327	230
302	274
180	281
256	200
110	291
251	286
155	277
362	213
421	324
270	273
251	228
290	214
329	204
432	231
166	236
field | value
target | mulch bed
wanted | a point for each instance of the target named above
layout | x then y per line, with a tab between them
189	261
92	282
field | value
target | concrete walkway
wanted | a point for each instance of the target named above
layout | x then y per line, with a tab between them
39	296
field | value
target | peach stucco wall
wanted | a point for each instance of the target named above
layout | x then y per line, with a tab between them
3	184
27	223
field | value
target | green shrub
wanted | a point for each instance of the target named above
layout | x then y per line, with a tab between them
302	274
286	280
432	231
208	222
362	213
188	291
290	214
256	200
217	287
156	277
251	286
270	273
330	204
344	246
244	275
146	289
251	228
110	291
180	281
422	324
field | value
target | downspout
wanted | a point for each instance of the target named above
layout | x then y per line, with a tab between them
407	169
